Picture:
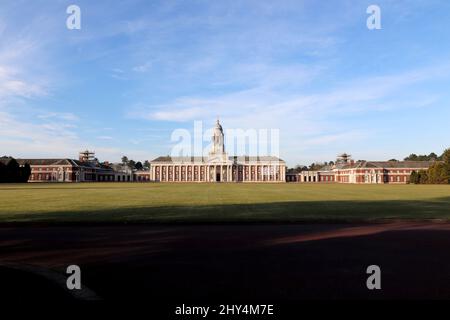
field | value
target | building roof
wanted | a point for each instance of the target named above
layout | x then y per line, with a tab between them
325	168
168	159
239	159
45	162
56	162
390	164
246	159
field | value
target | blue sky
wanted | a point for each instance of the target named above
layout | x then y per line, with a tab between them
137	70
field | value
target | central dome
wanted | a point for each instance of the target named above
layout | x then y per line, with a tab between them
218	127
217	139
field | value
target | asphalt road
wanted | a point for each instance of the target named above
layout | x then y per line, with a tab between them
226	263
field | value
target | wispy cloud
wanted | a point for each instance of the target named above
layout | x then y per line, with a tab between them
105	138
143	67
13	83
306	120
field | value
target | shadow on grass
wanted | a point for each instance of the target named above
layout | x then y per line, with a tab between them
273	212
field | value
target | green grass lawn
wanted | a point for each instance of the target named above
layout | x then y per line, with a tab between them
159	202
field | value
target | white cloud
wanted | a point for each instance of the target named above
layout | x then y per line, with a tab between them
105	138
13	83
143	67
67	116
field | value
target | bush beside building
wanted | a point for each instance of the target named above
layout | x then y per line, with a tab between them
437	173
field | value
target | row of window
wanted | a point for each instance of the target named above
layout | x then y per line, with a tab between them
49	176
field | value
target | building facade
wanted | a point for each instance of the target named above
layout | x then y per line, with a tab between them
85	169
66	170
218	166
345	170
377	172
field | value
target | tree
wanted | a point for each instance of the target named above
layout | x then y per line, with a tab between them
139	166
13	172
433	156
446	158
131	164
437	173
411	157
315	166
2	172
147	164
422	157
25	173
125	160
414	178
423	177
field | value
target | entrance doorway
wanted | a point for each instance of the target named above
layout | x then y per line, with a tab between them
217	177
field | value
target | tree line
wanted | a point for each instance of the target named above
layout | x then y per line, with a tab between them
423	157
312	167
133	165
437	173
11	171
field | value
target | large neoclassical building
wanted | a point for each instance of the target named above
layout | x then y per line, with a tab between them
218	166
